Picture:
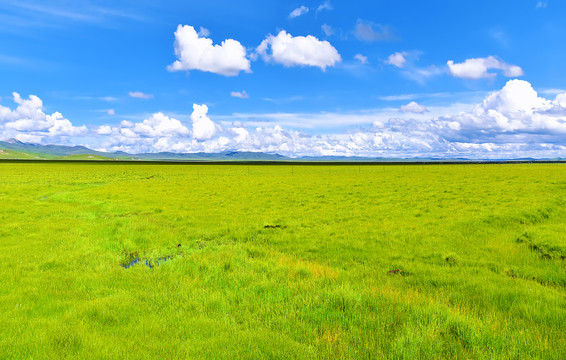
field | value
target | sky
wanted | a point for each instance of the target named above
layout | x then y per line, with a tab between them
381	78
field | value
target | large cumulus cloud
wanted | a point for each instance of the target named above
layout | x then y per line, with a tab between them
28	122
203	127
291	50
196	52
515	114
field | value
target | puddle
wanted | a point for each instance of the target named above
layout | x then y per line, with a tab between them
132	263
147	262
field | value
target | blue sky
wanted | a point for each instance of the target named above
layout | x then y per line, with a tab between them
448	78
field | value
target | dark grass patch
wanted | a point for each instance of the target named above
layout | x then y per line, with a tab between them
275	227
545	250
254	253
397	272
511	273
541	280
451	260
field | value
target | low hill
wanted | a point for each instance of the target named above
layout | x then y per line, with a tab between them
21	150
14	149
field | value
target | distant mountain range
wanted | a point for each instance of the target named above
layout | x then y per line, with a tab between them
22	150
14	149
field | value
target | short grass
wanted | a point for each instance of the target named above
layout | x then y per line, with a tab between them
330	262
14	154
82	157
21	155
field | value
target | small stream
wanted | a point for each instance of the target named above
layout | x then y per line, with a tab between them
148	263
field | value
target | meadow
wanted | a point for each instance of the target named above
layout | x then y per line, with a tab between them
283	261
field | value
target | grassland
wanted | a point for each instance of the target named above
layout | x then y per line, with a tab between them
7	154
14	154
364	262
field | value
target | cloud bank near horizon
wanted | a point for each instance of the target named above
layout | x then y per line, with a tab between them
512	122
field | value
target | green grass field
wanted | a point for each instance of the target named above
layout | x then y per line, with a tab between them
290	262
6	154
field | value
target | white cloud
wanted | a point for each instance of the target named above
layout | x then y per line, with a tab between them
516	97
560	100
203	32
126	123
421	75
514	114
198	53
551	91
298	12
140	95
298	51
413	107
361	58
160	125
111	112
405	60
239	94
29	138
478	68
63	127
500	37
324	6
327	29
203	127
242	135
146	136
104	130
398	59
370	32
541	5
28	122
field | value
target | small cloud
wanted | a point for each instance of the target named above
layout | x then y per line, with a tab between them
413	107
500	37
361	58
478	68
298	12
108	98
421	75
542	5
370	32
140	95
552	91
327	29
398	59
203	32
398	97
238	94
324	6
111	112
405	60
284	100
